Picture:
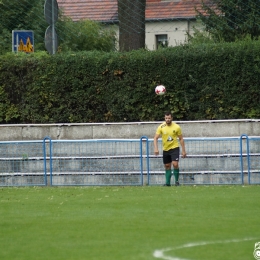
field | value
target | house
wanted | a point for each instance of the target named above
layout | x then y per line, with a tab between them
167	21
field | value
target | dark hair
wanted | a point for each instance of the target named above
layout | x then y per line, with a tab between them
168	113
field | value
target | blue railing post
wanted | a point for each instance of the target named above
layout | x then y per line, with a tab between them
45	159
241	157
147	158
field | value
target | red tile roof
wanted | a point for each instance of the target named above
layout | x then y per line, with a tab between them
106	10
171	9
98	10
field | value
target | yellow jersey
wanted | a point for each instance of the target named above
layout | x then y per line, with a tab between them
169	135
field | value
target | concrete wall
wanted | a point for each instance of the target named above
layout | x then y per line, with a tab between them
211	128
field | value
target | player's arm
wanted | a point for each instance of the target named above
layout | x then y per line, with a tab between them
155	143
183	151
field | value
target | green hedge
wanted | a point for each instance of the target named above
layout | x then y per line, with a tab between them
203	82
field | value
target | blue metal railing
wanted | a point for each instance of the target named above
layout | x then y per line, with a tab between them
96	162
224	160
247	156
21	163
212	160
254	160
45	158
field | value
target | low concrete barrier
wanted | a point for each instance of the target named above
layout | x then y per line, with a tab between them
205	128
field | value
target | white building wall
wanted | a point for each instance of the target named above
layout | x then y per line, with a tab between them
176	32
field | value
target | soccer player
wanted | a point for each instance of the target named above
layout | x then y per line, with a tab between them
170	133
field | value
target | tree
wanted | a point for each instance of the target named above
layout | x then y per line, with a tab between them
131	16
230	20
84	35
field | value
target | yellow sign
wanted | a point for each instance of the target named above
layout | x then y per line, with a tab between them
28	47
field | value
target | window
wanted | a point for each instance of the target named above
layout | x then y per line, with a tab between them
161	41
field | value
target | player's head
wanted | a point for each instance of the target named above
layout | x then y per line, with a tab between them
168	118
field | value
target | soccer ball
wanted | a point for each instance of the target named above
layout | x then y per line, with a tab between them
160	90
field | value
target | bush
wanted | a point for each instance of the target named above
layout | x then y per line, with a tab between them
207	81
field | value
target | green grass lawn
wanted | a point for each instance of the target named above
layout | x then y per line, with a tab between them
99	223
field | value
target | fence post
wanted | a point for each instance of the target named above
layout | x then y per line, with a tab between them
147	158
241	157
45	158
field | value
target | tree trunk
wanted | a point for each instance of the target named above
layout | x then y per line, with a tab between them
131	16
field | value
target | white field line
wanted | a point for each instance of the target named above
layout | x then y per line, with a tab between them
160	253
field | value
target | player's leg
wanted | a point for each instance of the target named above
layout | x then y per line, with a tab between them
176	172
167	165
168	174
175	155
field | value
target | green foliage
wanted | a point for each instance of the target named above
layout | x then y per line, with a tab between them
206	81
230	20
21	15
29	15
85	35
201	36
5	40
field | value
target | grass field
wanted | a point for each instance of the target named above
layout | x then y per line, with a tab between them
135	223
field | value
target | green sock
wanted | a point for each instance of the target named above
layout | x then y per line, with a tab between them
176	174
168	175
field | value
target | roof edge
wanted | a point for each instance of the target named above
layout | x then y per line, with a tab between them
153	20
